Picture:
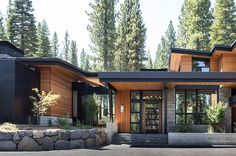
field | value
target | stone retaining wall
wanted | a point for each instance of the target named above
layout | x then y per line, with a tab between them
35	140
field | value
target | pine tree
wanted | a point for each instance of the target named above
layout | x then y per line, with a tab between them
167	42
43	41
74	51
84	61
223	29
103	33
149	60
21	26
55	45
130	45
66	47
2	29
195	21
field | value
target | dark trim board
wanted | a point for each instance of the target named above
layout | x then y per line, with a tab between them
149	76
197	87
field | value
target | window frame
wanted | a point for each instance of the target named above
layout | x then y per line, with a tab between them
196	115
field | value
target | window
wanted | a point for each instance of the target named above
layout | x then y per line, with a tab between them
201	64
191	105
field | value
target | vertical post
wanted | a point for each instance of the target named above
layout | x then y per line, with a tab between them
110	105
165	109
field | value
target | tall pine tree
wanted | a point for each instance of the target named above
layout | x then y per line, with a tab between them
55	45
103	32
2	29
84	61
223	29
149	60
130	45
43	41
74	51
167	42
21	26
66	47
195	21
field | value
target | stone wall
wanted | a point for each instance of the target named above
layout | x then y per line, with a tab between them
171	110
35	140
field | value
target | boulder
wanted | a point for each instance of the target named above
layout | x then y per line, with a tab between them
92	133
7	146
28	144
103	136
50	132
76	134
46	143
25	133
5	136
84	134
64	135
74	144
98	140
38	134
16	137
89	142
61	145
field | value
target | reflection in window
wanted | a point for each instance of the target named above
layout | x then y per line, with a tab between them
191	105
201	64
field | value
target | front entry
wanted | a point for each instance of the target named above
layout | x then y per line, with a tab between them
145	111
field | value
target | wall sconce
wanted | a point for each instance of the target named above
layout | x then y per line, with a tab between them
122	108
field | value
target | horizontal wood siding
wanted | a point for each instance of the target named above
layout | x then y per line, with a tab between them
122	118
186	64
214	64
228	63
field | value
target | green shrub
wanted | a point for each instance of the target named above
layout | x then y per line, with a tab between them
82	126
9	126
182	127
63	123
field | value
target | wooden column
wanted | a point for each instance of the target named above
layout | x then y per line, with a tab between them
110	105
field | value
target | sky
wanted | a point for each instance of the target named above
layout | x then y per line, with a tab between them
62	15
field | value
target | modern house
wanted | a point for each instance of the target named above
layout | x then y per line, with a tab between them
147	101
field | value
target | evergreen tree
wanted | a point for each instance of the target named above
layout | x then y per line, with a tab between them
2	29
21	26
43	41
74	50
66	47
102	32
223	29
55	45
131	37
167	42
195	21
149	61
84	61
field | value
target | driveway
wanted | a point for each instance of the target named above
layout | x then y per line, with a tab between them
126	150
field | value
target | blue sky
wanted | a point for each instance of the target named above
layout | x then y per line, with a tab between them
62	15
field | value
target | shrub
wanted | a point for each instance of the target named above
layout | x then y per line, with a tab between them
184	127
63	123
9	126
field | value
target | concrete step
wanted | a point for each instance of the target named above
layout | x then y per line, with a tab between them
140	139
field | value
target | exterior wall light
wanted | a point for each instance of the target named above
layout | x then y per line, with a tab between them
122	108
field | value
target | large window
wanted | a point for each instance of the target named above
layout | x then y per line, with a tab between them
191	105
201	64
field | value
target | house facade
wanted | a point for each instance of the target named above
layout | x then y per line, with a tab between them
146	101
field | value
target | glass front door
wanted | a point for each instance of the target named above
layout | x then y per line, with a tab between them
145	114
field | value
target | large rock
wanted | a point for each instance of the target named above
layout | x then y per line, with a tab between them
50	132
24	133
89	142
5	136
85	134
46	143
98	140
38	134
16	137
7	146
77	144
64	135
103	136
76	134
28	144
92	133
61	145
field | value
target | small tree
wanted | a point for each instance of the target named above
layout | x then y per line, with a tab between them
215	115
42	101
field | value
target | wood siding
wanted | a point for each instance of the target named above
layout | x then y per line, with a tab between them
58	82
227	63
122	118
186	64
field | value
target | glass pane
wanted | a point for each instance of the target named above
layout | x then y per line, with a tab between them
190	119
201	65
152	95
180	119
206	98
135	107
180	101
134	128
135	95
135	117
191	101
203	119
